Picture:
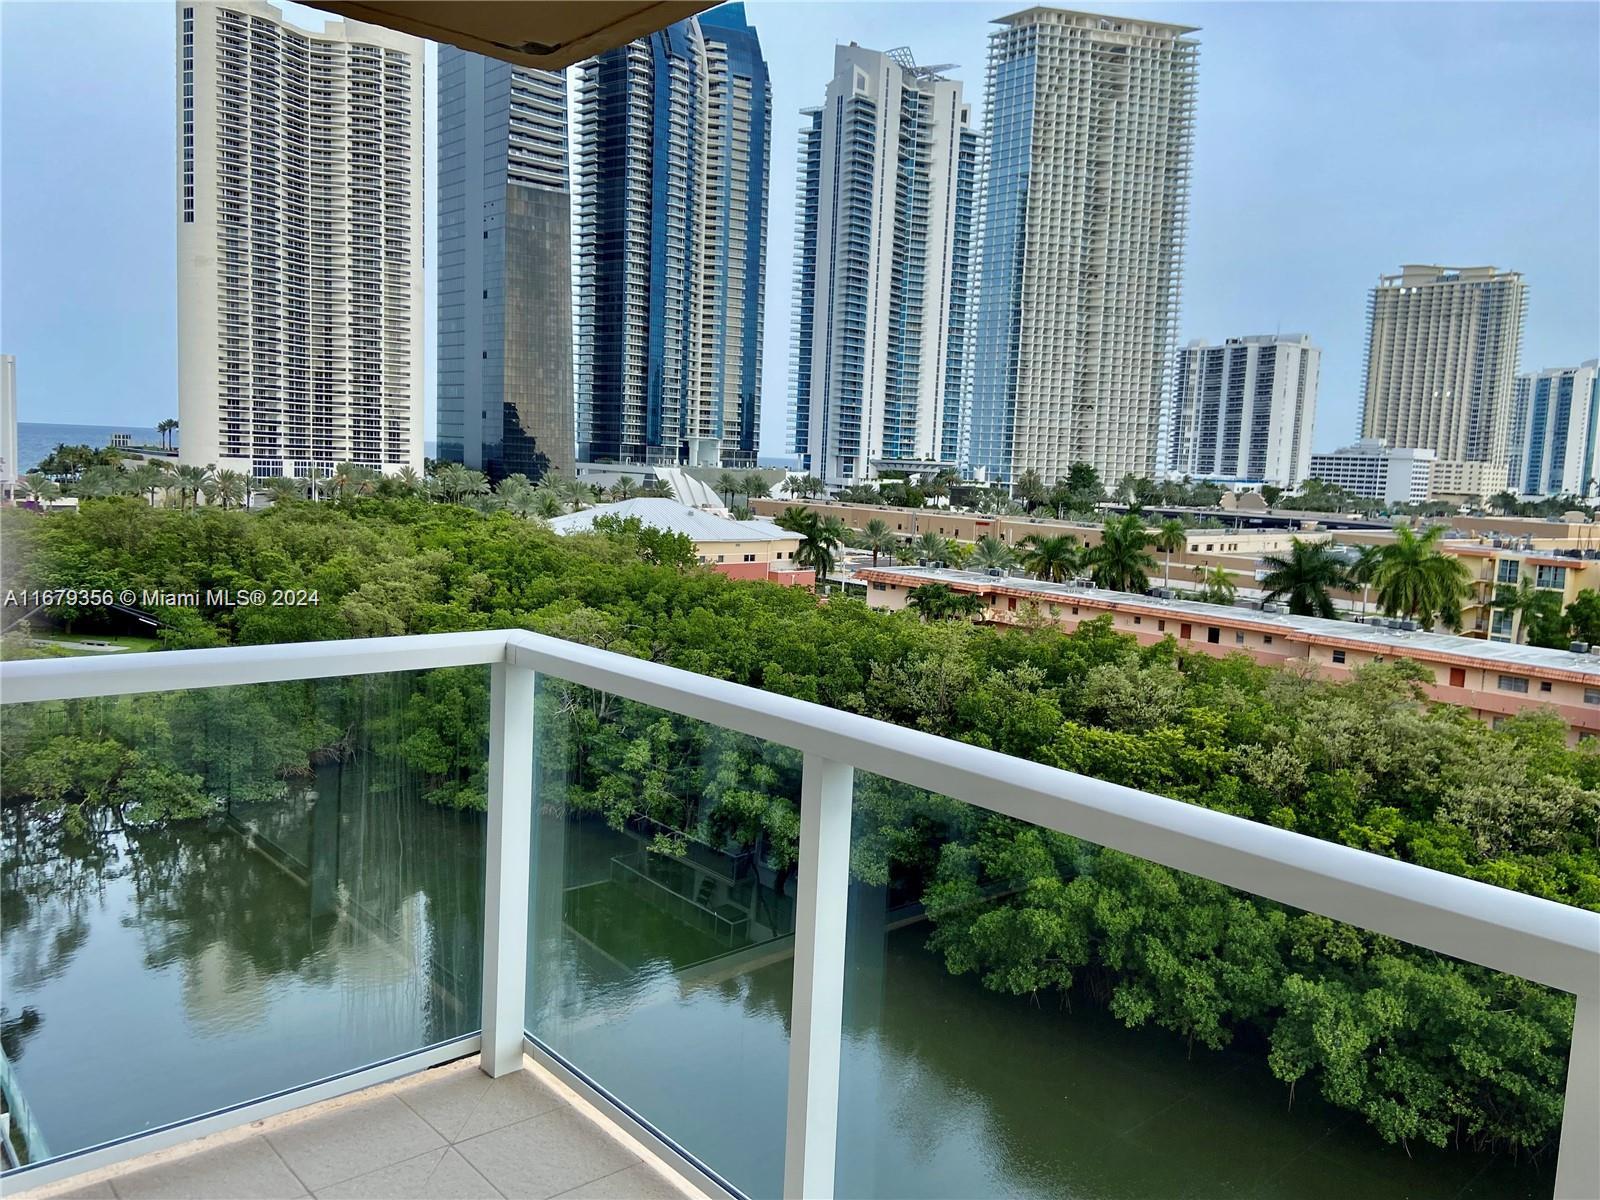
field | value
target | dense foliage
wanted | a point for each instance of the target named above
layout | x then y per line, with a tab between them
1423	1047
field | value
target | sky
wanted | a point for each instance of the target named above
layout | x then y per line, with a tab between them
1334	142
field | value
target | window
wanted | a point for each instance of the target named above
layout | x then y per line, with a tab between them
1011	603
1138	620
1338	656
719	558
1161	626
880	587
1213	635
749	558
1506	571
1513	683
1266	639
1238	639
1550	577
1544	685
1591	695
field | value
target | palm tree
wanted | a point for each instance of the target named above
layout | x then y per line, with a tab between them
1055	559
624	487
166	429
281	489
1030	489
408	479
1122	560
145	479
990	553
756	487
1417	580
228	488
546	502
1171	535
1216	586
818	545
38	487
577	493
193	482
941	602
516	495
1305	578
877	537
931	547
1522	602
728	485
1364	570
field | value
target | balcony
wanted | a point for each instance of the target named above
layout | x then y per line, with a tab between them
354	882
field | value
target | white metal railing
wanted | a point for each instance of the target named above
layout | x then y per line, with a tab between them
1553	944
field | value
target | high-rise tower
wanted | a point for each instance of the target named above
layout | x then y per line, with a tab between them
1090	129
883	268
1442	351
1555	432
672	137
299	242
1245	410
505	268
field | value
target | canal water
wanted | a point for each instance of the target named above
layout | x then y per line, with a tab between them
152	976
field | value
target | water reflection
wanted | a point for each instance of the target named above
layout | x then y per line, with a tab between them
167	972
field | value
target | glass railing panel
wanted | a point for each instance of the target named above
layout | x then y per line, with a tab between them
661	925
218	894
1032	1015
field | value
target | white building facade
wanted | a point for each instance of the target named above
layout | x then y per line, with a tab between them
1372	467
883	269
1555	427
10	447
1244	410
1442	351
1088	141
300	243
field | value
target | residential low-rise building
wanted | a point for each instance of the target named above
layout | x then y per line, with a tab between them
1492	679
1372	467
738	549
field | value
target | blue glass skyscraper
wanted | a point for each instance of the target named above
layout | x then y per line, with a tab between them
672	135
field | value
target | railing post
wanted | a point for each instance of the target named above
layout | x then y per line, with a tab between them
821	907
1578	1162
505	893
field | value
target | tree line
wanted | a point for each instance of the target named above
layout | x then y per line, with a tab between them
1422	1047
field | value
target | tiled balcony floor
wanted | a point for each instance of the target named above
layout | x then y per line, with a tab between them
448	1133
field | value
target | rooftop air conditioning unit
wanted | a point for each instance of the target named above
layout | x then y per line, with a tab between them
995	572
1408	626
1392	623
1579	647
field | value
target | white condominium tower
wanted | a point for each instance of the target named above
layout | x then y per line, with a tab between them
1442	350
1089	135
1244	410
883	253
299	243
1555	432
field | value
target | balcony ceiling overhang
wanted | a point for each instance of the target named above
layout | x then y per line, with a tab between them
549	34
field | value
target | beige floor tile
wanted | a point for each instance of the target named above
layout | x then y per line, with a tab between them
243	1170
353	1140
68	1189
638	1182
464	1104
545	1155
436	1175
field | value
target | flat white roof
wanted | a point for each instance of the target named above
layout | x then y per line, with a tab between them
657	512
1393	641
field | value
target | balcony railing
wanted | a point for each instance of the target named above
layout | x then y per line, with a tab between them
547	932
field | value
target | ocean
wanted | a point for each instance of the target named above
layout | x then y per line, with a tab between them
35	439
